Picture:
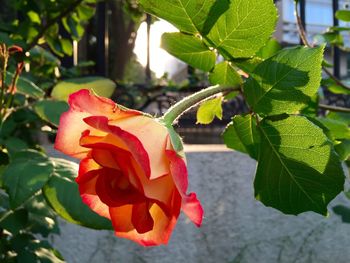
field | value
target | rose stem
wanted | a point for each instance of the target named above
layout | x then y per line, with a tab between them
179	108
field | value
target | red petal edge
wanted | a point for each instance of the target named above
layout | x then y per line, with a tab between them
190	204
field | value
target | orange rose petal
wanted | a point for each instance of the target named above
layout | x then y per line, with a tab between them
87	164
95	203
84	101
121	218
83	104
104	158
153	136
89	141
141	218
110	156
135	146
87	182
190	204
160	233
69	133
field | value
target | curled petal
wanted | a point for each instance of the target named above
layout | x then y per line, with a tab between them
153	136
135	146
163	225
141	218
85	101
190	204
84	104
95	203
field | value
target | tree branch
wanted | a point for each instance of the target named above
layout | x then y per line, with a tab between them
334	108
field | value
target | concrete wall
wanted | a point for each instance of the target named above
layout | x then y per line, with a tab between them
236	227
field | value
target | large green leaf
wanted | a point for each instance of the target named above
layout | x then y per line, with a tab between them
50	110
244	28
190	49
285	82
298	169
70	206
27	173
225	74
101	86
242	135
191	16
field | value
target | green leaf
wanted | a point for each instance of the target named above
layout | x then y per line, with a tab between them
334	38
42	219
208	110
27	173
337	89
50	110
55	45
225	74
67	46
85	12
270	49
343	15
189	16
25	86
73	26
285	82
247	65
339	116
241	135
244	28
190	49
34	17
337	129
298	169
14	221
14	145
343	149
101	86
70	206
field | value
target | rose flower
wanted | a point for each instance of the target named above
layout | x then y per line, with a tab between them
129	171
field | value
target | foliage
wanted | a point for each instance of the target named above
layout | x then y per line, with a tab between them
299	154
33	186
299	165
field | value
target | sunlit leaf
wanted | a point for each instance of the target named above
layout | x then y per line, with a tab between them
298	169
208	110
285	82
241	135
190	49
244	28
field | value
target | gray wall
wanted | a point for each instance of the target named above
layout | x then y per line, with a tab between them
236	227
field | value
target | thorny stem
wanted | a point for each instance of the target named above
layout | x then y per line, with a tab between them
187	103
303	37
